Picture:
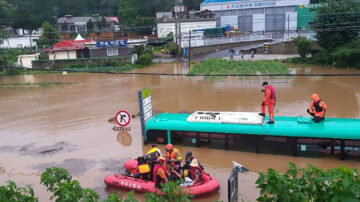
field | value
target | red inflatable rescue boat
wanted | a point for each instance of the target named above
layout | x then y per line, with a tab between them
209	186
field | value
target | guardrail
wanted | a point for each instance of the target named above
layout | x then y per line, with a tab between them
226	40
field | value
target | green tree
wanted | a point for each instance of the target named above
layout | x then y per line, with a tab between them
89	26
6	12
303	46
337	23
49	35
311	184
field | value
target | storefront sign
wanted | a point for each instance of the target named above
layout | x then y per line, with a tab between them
251	5
118	43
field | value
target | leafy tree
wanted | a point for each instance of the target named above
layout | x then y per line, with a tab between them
303	46
337	22
311	184
6	11
89	26
193	4
49	35
101	23
11	192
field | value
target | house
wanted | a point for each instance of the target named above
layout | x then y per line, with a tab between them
184	19
69	49
87	48
93	24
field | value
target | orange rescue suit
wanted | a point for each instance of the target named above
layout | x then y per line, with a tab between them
270	99
317	106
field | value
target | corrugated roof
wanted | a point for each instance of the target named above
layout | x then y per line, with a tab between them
67	45
219	1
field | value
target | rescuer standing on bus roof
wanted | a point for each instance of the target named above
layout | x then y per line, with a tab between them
270	100
317	108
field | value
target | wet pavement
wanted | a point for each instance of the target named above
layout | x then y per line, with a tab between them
68	125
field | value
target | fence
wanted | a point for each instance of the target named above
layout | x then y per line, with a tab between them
55	64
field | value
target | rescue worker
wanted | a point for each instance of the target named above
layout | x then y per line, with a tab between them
270	101
317	108
172	154
153	153
195	172
160	175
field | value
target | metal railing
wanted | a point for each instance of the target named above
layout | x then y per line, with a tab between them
226	40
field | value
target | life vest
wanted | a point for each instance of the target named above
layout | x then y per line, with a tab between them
272	94
145	172
157	179
317	106
193	170
152	154
171	156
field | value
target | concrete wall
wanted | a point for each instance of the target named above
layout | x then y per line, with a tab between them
285	48
60	55
212	48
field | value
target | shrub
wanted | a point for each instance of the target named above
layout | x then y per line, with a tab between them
144	60
64	188
173	192
311	184
112	63
139	50
303	46
11	192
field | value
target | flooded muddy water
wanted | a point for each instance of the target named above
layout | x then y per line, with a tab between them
68	125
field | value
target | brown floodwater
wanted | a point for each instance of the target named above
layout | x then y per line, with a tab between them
67	125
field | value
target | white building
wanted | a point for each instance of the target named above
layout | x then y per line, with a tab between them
255	15
186	21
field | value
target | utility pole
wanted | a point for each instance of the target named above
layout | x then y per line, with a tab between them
288	27
189	48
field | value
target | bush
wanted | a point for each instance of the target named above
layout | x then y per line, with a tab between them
11	192
171	48
139	50
112	63
311	184
144	60
173	192
303	46
64	188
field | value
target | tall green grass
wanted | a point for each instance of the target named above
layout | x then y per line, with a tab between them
214	66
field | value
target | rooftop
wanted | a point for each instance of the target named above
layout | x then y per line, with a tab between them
220	1
67	45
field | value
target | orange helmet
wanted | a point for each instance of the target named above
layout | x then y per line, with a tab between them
169	147
160	158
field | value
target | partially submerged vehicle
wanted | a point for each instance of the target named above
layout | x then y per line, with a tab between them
247	131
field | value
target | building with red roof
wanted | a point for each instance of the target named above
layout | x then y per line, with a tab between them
70	49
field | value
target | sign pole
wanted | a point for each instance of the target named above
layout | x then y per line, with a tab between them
189	48
145	108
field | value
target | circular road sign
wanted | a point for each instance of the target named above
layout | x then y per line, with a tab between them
123	118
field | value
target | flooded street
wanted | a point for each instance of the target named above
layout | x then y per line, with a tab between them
67	125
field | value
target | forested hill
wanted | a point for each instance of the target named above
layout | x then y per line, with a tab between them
20	12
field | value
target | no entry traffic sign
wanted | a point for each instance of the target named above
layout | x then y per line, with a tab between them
122	118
